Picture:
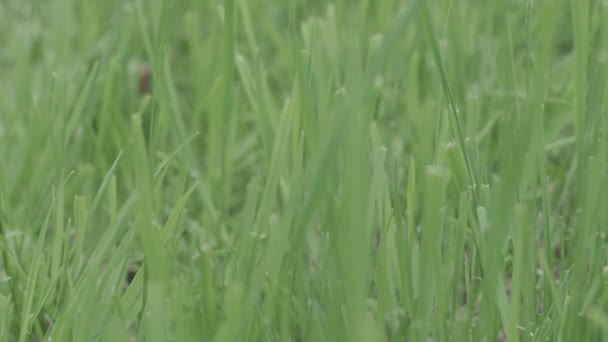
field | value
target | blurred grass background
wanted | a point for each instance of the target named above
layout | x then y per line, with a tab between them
303	170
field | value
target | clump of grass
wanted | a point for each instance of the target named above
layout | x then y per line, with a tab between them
354	170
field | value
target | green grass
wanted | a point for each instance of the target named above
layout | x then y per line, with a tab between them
303	170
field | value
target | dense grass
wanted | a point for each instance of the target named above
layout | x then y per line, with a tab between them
303	171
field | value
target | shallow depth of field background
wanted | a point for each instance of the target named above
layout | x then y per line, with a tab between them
353	170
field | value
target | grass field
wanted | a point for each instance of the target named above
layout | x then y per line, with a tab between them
300	170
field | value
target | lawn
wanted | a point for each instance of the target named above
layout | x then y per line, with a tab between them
303	170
